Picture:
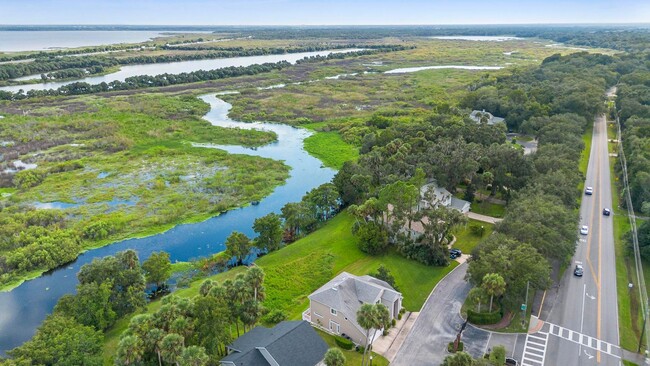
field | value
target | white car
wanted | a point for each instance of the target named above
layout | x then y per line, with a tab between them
584	230
589	191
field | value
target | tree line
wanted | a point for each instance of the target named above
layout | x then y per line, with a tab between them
97	63
553	102
633	110
162	80
540	223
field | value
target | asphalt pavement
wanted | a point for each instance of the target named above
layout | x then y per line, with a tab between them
582	324
439	321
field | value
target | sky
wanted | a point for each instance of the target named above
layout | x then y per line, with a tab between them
321	12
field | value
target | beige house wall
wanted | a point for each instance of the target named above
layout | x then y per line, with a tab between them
321	316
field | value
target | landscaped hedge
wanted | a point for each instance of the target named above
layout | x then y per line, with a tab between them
484	318
346	344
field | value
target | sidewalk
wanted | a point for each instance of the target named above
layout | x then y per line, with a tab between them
389	345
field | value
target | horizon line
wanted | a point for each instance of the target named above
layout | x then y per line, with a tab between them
321	25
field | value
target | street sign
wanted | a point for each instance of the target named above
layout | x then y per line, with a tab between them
523	307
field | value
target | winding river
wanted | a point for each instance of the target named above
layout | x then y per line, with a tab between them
23	309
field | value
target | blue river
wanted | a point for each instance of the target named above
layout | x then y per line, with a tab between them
23	309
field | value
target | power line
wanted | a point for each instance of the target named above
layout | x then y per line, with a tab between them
643	294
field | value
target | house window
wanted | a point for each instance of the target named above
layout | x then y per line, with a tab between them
335	327
333	311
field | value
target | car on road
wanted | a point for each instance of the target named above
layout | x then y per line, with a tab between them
455	253
607	211
511	362
578	271
589	191
584	230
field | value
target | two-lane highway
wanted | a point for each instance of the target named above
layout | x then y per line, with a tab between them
582	327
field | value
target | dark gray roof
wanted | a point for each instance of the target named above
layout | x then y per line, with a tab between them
288	343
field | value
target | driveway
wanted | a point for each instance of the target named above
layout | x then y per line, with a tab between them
483	218
439	322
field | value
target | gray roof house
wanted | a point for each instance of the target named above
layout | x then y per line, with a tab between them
290	343
334	306
484	117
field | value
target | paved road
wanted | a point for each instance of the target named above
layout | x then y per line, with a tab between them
583	322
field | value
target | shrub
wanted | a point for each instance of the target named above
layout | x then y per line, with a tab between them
450	347
28	178
484	318
275	316
394	322
477	230
345	344
360	349
498	355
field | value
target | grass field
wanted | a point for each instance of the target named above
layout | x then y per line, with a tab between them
488	209
466	240
127	162
330	148
298	269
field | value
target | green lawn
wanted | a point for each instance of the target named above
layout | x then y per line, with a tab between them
466	240
584	157
330	148
352	357
488	209
295	271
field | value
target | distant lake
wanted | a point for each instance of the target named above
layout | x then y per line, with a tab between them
18	41
479	38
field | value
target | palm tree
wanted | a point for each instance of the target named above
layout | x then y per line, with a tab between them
334	357
139	325
494	285
255	279
367	318
182	326
232	294
194	356
477	294
153	340
129	350
171	348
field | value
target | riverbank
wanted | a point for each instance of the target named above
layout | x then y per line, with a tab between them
298	269
125	178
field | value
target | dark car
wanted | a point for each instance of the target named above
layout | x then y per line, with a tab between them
511	362
579	271
606	211
455	253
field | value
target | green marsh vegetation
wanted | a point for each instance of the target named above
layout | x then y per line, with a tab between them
124	166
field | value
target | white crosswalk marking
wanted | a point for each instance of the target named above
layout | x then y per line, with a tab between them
535	347
585	340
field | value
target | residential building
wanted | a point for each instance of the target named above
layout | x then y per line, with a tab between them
485	117
432	196
334	306
290	343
